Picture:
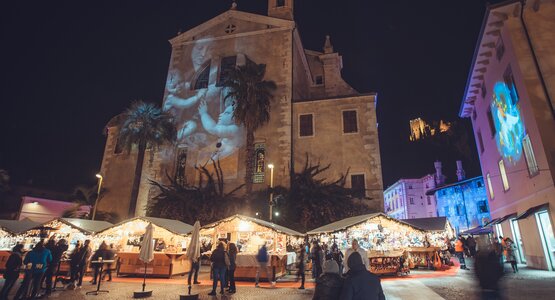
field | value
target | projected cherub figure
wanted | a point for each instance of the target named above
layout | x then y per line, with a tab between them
508	123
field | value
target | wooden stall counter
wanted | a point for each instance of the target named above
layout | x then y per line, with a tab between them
247	266
4	255
421	256
165	264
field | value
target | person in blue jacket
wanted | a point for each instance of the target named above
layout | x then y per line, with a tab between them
36	263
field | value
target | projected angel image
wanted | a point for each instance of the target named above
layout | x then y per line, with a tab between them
508	123
205	115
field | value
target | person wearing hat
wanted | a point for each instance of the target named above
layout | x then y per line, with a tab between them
329	284
360	284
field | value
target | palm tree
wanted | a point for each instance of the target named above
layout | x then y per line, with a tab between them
144	125
252	95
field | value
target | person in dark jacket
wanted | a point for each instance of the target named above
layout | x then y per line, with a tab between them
232	252
103	253
360	284
84	261
338	256
262	258
110	255
301	265
219	268
36	263
317	259
489	271
74	265
13	265
330	283
57	250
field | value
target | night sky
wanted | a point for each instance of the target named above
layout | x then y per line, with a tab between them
67	67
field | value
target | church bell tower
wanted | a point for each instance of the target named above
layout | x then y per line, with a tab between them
282	9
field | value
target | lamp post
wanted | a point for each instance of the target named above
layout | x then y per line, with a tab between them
271	167
97	194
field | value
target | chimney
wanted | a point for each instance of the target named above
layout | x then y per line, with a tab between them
440	179
460	171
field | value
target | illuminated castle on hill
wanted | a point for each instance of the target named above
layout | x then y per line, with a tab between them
314	112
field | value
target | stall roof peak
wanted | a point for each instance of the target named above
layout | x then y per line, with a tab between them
259	222
429	224
175	226
352	221
17	226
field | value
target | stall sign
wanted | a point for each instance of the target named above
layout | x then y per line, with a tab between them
141	270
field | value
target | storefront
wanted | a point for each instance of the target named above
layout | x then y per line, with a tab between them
170	244
249	234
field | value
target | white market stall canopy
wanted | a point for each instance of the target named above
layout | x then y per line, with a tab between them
67	225
430	224
269	225
13	227
353	221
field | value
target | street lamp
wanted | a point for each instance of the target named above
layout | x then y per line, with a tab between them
271	167
97	194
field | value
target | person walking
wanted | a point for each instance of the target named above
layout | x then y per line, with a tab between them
301	265
262	259
219	267
337	255
330	283
195	266
101	253
459	251
110	255
36	263
317	259
74	265
84	255
489	271
11	274
510	253
471	244
232	253
360	284
57	249
355	248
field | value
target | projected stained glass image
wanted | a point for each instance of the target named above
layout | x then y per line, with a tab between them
508	122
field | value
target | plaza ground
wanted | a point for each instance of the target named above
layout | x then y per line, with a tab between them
429	285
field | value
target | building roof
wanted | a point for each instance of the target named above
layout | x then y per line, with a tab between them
17	226
432	191
352	221
175	226
91	226
267	224
428	224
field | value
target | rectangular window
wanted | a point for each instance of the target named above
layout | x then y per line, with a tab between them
306	125
319	79
530	157
491	124
499	49
350	121
411	200
480	142
226	66
280	3
358	186
259	163
503	173
474	115
490	187
483	90
429	200
509	80
482	206
457	210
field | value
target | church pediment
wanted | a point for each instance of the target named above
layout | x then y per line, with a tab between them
232	23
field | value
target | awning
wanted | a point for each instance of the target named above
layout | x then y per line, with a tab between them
490	223
503	219
532	211
478	231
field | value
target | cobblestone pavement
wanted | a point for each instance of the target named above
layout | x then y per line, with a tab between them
528	284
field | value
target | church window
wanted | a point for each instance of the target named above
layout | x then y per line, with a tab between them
226	66
280	3
319	79
306	125
180	164
230	29
259	163
499	49
358	187
350	121
202	78
482	206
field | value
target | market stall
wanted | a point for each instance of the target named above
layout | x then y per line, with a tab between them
386	239
438	233
10	235
170	243
249	234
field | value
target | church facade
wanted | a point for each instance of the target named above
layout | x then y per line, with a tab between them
314	114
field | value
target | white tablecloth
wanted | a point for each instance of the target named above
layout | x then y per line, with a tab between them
291	258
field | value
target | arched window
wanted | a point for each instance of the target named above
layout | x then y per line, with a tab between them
203	77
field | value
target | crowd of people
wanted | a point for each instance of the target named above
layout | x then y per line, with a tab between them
41	266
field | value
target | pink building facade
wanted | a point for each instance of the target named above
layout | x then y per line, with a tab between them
43	210
509	99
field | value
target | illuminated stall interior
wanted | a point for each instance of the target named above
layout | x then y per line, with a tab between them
250	233
437	229
126	236
10	232
72	230
375	232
